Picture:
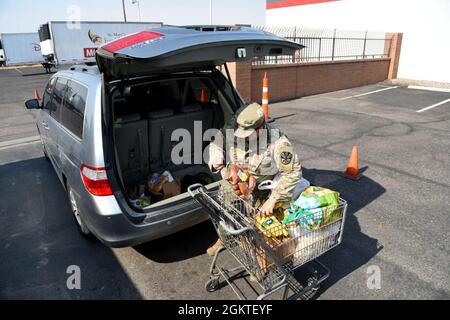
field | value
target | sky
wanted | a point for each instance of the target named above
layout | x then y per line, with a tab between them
27	15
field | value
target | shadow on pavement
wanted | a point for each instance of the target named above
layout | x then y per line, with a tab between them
356	248
38	74
39	241
285	116
182	245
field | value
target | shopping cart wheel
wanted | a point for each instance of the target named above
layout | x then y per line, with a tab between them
212	285
312	292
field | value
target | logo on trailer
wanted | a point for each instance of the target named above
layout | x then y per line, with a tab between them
89	52
36	46
95	38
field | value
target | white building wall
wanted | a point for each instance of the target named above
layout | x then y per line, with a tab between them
425	53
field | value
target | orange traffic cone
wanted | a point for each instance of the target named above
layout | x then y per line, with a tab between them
36	95
352	171
203	96
265	98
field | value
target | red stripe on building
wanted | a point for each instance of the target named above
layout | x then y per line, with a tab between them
291	3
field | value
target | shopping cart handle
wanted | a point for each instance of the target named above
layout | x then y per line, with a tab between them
231	230
194	187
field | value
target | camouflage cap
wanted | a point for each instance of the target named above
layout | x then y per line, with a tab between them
248	119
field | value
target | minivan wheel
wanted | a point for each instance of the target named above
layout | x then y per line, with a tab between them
82	228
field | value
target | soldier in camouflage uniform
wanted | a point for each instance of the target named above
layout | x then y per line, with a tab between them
276	161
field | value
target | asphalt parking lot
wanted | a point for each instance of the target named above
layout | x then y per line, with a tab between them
398	217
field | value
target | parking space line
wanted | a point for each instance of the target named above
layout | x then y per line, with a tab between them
20	67
364	94
429	88
433	106
19	145
18	142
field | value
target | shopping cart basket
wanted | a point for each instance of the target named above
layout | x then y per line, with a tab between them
269	255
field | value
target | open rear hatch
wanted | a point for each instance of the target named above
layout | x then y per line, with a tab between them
168	48
174	49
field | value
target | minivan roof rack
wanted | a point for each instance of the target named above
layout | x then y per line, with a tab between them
215	27
88	68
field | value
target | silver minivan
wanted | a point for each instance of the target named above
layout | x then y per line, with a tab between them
107	127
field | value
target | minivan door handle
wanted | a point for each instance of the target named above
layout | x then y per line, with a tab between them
45	125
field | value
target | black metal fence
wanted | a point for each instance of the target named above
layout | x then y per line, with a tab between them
329	45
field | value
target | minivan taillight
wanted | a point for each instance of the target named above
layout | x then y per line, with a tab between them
95	180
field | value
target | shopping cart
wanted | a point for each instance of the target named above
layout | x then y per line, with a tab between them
271	256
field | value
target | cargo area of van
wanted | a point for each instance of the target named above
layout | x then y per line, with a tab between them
150	116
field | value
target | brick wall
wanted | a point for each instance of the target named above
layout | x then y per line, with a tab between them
304	79
290	81
241	76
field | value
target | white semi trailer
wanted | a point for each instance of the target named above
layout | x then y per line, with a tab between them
70	43
20	48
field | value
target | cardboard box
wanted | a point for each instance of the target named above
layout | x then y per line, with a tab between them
283	249
168	190
171	189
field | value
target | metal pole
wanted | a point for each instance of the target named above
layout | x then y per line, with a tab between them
139	10
124	13
334	42
295	40
320	47
364	49
210	12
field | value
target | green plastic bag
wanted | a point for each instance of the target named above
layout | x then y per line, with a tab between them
314	208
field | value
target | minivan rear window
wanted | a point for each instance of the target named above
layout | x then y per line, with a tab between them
72	112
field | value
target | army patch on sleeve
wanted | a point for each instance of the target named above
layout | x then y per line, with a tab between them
286	157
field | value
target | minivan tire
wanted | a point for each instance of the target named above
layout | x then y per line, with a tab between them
81	225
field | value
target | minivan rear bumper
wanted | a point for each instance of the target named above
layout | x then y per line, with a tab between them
116	230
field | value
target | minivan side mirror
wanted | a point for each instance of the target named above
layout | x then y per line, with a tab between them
32	104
